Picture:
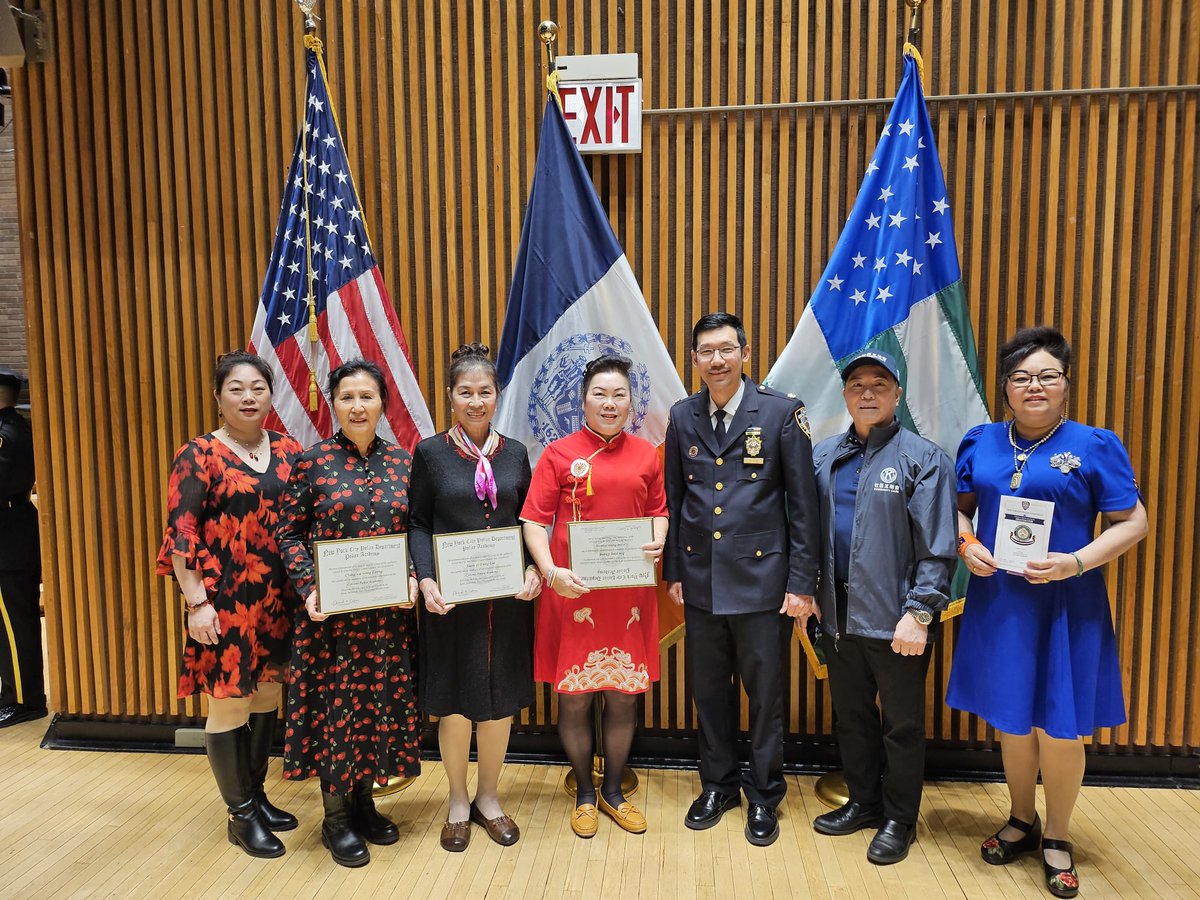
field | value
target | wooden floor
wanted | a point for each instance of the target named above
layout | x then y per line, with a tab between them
76	824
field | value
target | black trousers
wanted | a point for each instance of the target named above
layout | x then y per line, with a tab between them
754	648
883	757
21	679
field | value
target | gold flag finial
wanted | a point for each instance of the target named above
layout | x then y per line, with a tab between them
310	17
548	32
914	34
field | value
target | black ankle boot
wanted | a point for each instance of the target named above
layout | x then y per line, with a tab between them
337	832
262	733
367	820
227	755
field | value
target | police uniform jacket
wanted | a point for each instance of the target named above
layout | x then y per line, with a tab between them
903	546
742	532
19	551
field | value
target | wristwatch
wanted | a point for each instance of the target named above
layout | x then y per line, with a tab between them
922	616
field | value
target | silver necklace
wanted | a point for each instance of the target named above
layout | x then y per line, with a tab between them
252	450
1020	457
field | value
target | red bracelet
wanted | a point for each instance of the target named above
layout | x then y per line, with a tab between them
191	609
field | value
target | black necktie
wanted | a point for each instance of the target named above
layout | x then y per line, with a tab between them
719	430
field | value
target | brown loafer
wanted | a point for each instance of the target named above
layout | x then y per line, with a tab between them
502	829
585	820
456	836
626	815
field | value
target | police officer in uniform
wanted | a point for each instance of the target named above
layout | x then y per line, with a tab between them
22	690
742	556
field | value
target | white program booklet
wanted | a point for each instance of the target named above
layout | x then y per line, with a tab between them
1022	532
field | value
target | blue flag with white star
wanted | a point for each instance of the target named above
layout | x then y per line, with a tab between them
893	283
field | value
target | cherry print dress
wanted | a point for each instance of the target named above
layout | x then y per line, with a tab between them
221	518
352	709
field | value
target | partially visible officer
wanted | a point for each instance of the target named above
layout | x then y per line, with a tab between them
888	527
22	690
743	540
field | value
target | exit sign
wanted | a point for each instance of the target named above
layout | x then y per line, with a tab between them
602	101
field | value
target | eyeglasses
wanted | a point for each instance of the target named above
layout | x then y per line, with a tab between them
1046	378
707	354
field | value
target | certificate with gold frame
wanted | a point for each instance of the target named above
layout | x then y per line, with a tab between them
479	565
607	553
358	574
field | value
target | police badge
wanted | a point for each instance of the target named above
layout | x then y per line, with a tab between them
802	422
753	454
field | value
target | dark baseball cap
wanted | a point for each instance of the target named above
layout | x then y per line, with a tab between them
12	378
872	358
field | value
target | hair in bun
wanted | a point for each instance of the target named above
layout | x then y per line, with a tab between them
471	356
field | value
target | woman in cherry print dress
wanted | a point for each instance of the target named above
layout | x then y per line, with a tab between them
222	506
352	712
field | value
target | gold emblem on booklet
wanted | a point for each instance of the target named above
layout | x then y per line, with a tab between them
753	456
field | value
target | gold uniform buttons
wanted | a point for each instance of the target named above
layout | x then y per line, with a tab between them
716	535
720	461
753	475
720	486
689	549
717	511
758	553
691	477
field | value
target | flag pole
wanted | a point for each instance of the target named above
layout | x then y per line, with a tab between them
831	787
311	42
548	33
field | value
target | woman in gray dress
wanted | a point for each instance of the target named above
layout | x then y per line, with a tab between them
476	658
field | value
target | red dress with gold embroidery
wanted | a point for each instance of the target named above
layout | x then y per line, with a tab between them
221	518
605	640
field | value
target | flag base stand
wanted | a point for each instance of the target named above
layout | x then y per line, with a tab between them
394	786
629	778
831	789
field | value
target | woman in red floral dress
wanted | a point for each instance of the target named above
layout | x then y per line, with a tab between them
603	642
220	545
352	712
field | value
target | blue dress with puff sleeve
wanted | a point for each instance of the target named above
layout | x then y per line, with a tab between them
1042	655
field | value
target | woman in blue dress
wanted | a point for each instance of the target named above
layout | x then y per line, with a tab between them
1036	654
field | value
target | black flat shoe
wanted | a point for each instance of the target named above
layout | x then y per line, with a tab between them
16	713
848	819
707	809
762	825
999	852
891	843
1060	882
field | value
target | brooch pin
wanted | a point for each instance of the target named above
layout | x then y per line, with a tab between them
581	468
753	446
693	451
1065	462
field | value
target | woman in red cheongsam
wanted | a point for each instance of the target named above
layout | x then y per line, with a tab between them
220	545
601	642
352	711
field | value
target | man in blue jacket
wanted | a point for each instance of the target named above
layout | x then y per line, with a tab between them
741	556
888	507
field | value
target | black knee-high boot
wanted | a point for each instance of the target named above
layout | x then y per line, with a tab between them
262	733
337	832
227	754
367	820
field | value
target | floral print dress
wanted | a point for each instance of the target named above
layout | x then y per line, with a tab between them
221	517
352	710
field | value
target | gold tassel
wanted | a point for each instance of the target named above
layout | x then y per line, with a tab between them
312	391
589	482
911	50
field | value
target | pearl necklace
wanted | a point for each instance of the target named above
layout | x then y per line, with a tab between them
1020	457
252	450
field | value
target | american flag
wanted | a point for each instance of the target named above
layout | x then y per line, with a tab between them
321	223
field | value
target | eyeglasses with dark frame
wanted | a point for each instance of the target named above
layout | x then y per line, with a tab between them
1046	378
707	354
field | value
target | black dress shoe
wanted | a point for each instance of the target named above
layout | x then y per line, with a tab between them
891	843
762	825
848	819
707	809
15	713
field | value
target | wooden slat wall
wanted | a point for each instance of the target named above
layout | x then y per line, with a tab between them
152	149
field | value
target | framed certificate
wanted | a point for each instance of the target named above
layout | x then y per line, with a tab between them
1022	532
361	573
608	553
479	565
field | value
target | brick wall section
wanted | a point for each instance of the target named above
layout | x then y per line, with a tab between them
13	352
